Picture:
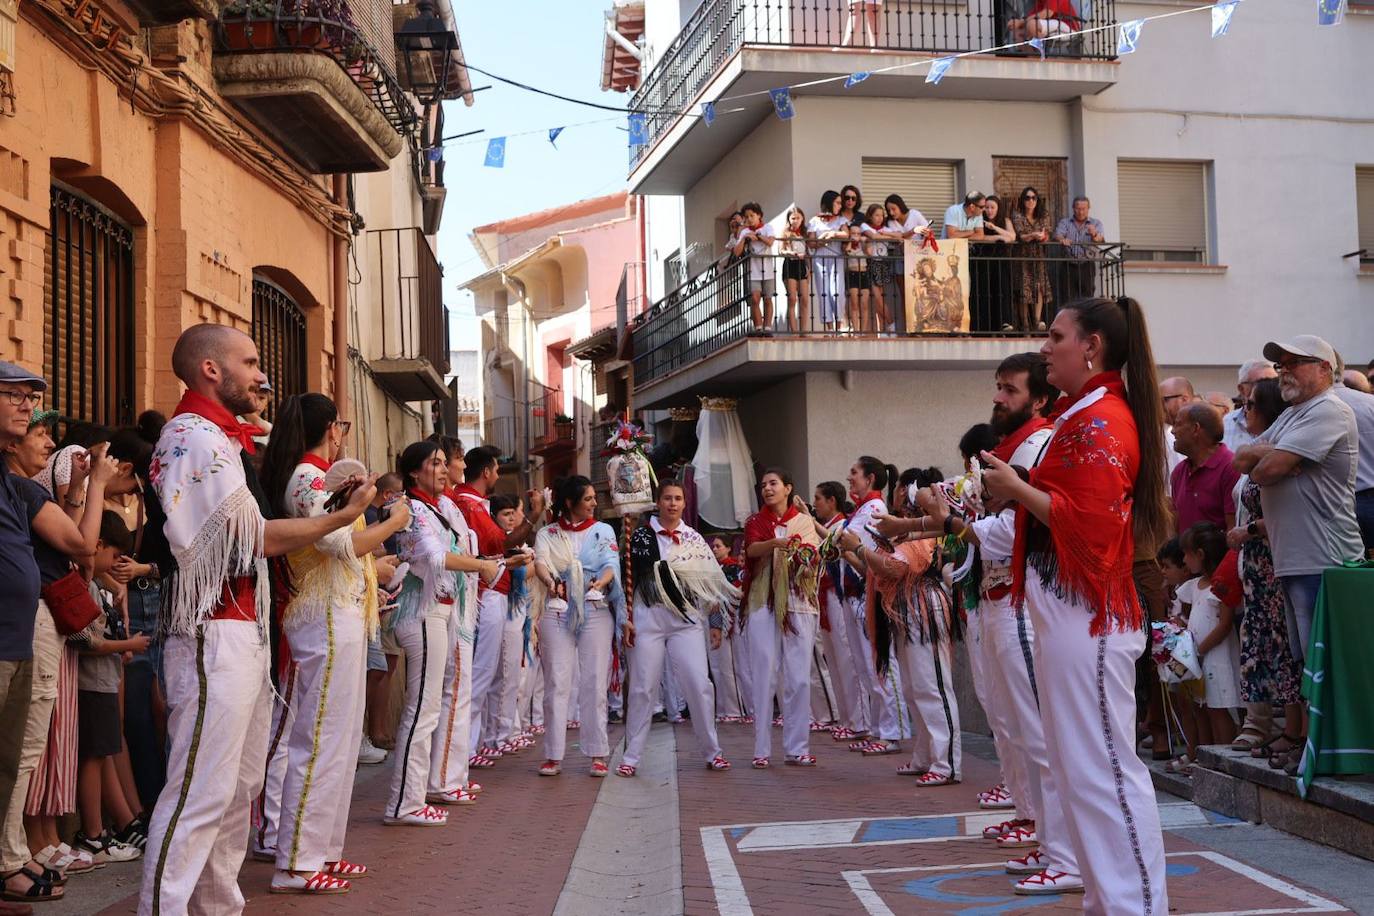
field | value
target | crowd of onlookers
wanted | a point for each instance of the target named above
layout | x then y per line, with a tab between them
842	269
1270	488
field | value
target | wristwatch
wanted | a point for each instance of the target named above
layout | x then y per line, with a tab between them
1252	529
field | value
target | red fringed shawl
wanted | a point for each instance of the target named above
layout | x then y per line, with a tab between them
1089	471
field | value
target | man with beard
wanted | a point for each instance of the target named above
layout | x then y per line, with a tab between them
210	509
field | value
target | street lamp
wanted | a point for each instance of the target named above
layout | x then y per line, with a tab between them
427	46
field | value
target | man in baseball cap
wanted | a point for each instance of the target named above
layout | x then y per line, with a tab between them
1304	346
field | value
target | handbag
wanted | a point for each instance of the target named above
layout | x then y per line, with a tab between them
70	603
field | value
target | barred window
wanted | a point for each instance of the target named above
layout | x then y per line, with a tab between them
279	332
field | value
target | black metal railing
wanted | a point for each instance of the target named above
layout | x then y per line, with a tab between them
719	28
500	433
88	347
598	434
409	283
325	27
279	331
853	297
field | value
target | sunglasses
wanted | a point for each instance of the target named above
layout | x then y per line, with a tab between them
1289	365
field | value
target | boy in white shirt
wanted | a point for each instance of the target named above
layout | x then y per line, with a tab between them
759	238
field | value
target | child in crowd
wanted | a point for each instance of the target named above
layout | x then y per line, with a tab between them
1212	624
758	237
100	732
509	515
1180	705
879	263
795	272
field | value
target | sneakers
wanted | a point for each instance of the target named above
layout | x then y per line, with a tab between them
1032	863
369	754
105	849
1017	838
1049	882
134	834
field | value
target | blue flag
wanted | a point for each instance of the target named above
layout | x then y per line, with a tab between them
855	79
1128	35
553	135
639	130
496	153
938	69
1039	45
708	113
1330	12
782	103
434	153
1221	17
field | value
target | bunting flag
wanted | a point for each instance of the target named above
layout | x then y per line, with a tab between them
855	79
496	153
708	113
553	135
938	69
1221	17
1128	35
1039	45
434	153
639	130
782	103
1330	12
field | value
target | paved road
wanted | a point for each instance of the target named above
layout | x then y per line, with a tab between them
847	837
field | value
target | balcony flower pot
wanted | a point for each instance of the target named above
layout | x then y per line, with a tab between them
562	427
250	34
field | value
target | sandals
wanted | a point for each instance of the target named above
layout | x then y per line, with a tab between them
879	748
801	760
996	830
1248	739
818	726
931	780
479	762
907	769
495	753
625	770
425	816
1268	750
718	763
346	868
574	725
551	768
321	883
840	733
451	797
760	763
40	890
777	721
473	788
598	769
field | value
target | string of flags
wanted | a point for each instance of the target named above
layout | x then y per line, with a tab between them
1128	36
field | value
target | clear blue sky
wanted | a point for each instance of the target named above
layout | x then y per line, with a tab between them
552	44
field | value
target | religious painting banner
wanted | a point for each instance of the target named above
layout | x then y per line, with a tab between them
936	286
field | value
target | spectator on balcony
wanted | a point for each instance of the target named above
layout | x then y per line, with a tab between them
1236	422
1045	19
828	228
879	250
795	274
868	11
965	220
855	265
732	242
1079	234
758	237
904	221
1032	227
990	269
1202	484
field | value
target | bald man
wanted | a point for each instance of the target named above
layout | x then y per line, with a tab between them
211	510
1174	392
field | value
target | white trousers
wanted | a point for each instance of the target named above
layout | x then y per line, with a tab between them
730	699
1087	704
928	683
486	657
850	700
330	655
886	718
531	701
453	744
1013	638
499	721
218	711
767	645
982	661
587	657
425	643
662	636
267	804
672	700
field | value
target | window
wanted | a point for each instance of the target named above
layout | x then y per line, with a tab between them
1163	210
1364	210
88	346
279	332
925	185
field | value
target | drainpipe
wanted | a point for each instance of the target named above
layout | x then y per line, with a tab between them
614	35
341	306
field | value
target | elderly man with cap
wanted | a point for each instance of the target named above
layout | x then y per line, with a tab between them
1305	466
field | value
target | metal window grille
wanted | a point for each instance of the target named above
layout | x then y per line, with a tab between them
88	347
279	332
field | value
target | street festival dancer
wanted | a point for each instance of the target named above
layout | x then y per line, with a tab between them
215	612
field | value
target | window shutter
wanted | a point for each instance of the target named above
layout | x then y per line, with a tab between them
1163	205
925	185
1364	208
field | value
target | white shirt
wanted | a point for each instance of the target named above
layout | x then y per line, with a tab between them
822	224
760	248
914	220
1235	434
997	533
878	247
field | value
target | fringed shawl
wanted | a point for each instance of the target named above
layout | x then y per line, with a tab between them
578	558
678	571
1085	554
777	580
214	527
430	589
907	592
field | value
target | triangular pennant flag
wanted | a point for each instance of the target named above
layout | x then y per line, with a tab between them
434	153
782	103
1221	17
1128	34
1330	12
639	130
553	135
938	69
496	153
708	113
1039	45
855	79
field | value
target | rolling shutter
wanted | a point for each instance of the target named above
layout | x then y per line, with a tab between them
1364	208
925	185
1163	205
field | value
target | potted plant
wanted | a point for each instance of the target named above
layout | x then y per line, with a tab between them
562	426
249	25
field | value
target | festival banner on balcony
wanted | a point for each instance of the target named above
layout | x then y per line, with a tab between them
936	284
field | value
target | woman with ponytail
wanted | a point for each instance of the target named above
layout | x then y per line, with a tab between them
579	610
327	621
1096	493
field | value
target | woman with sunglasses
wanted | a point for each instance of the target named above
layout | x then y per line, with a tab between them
1032	226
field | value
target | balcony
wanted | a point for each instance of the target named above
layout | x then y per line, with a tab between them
697	340
500	433
553	433
734	48
406	282
318	77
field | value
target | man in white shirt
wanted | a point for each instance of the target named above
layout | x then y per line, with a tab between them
758	237
965	220
1251	371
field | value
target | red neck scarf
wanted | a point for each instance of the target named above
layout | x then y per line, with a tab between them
580	526
317	461
1010	443
1089	472
218	414
424	497
866	498
674	535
